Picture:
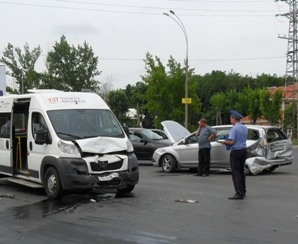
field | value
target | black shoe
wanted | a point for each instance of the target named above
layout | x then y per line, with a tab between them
236	197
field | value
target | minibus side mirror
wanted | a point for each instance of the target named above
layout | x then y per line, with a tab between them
42	137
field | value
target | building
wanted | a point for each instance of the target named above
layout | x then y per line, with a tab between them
2	80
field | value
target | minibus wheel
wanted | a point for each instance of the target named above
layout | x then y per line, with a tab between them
128	189
52	183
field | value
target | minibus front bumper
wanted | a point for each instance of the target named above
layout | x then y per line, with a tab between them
75	176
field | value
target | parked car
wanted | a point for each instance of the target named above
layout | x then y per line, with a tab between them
268	148
160	132
145	142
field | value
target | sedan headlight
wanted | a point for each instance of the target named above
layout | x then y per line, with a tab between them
68	148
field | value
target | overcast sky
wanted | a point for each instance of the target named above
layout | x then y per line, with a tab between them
238	35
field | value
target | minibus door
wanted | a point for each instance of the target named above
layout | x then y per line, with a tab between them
6	137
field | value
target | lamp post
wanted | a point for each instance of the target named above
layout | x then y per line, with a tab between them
22	85
176	18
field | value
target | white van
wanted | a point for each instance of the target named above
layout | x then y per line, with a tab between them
65	141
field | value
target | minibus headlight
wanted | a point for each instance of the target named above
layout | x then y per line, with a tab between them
68	148
129	146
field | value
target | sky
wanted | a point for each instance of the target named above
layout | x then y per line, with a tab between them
227	35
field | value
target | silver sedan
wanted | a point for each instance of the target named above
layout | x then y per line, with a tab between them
268	148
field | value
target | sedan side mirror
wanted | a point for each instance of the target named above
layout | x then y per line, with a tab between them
145	141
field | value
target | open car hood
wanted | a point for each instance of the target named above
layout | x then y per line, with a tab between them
174	130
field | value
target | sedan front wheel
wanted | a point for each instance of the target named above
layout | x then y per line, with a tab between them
247	170
168	163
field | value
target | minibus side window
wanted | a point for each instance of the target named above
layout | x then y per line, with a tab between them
5	125
38	123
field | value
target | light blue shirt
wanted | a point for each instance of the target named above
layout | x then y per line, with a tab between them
238	134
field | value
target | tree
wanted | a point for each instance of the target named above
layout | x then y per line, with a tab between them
166	90
156	75
136	99
218	102
267	80
21	66
105	88
253	103
71	68
220	81
233	101
271	105
290	118
118	103
208	85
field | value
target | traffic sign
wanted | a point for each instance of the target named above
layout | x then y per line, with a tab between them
186	100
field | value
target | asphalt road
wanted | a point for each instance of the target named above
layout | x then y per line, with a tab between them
157	211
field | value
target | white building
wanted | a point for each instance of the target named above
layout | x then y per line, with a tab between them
2	80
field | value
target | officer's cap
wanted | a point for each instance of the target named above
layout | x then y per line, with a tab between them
236	114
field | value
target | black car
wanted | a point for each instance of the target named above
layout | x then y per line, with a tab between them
160	132
145	142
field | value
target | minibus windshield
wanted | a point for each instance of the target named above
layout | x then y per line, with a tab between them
75	124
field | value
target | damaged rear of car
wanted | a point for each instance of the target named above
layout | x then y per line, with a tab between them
268	147
274	149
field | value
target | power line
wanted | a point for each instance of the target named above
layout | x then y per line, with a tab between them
146	7
193	1
200	60
222	1
159	8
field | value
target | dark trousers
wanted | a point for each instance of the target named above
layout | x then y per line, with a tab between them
204	161
237	160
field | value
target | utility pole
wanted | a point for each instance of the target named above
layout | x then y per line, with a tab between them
291	79
186	100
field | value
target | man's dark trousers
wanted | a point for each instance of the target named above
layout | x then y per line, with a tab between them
204	161
237	160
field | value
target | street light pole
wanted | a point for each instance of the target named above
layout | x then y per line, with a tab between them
181	25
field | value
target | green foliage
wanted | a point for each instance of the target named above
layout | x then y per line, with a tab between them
165	90
271	105
11	91
135	95
118	102
218	102
233	85
267	80
213	94
252	102
21	66
290	116
71	68
159	96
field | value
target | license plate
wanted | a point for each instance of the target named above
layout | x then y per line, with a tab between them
275	148
108	177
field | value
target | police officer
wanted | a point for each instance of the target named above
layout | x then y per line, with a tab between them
237	141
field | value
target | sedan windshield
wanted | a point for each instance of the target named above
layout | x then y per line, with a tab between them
151	135
75	124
